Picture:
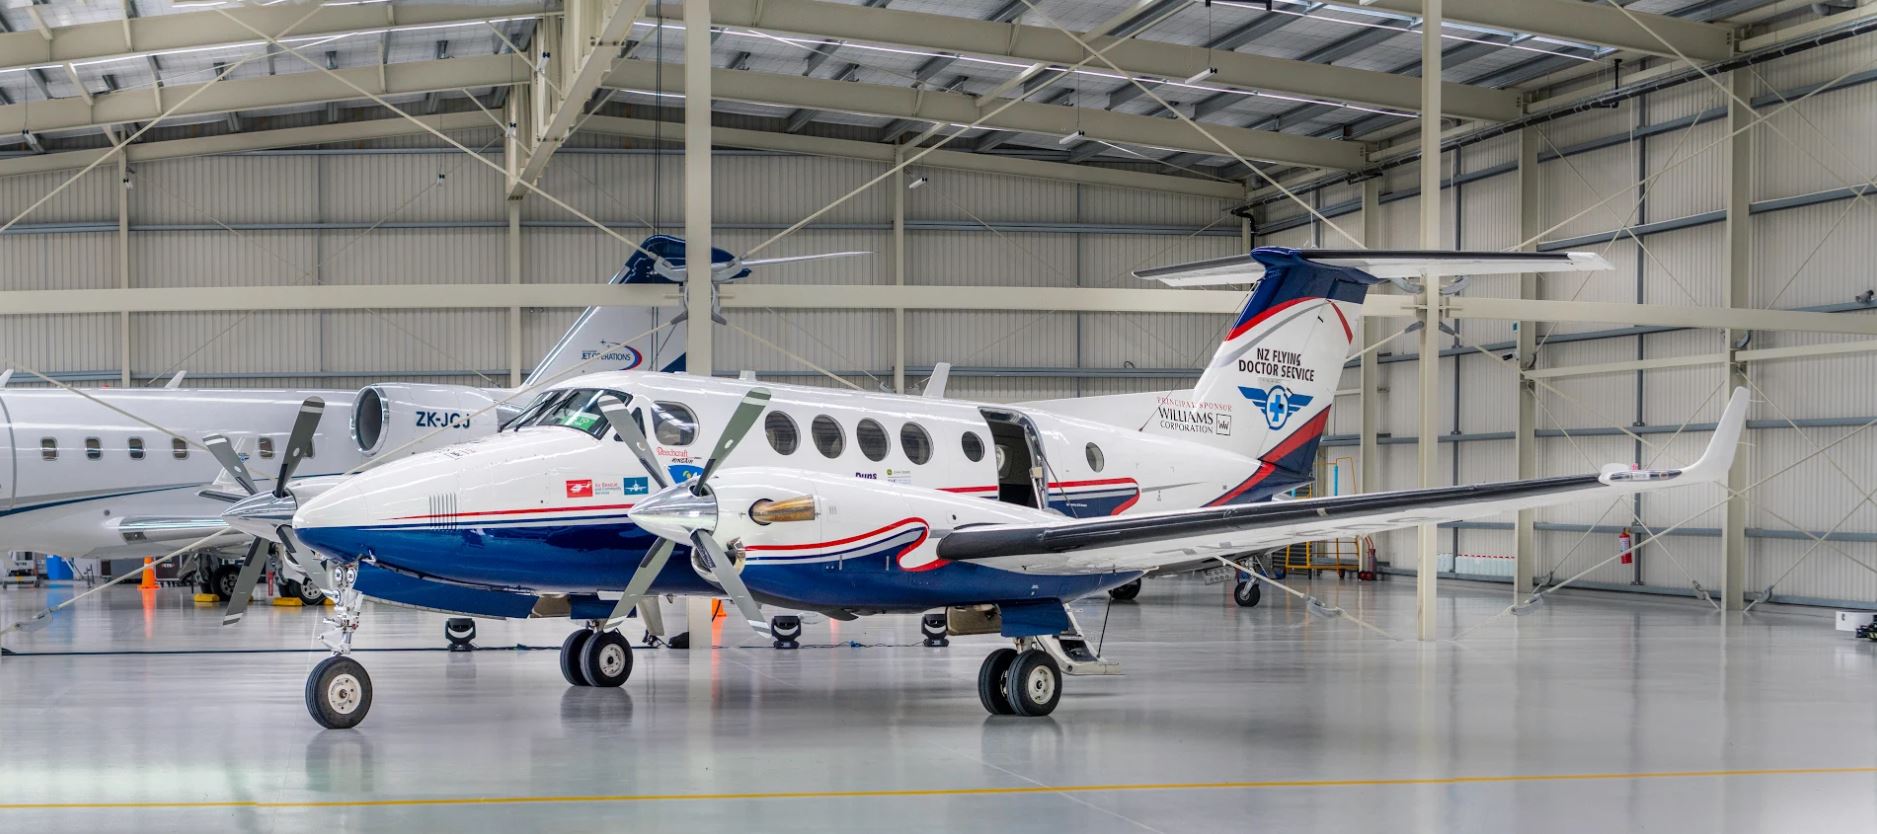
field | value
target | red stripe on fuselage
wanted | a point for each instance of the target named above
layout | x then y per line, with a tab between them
1259	318
837	542
516	512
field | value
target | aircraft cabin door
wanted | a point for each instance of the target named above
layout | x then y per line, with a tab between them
1021	467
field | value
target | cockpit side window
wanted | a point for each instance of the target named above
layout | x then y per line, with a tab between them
573	408
674	424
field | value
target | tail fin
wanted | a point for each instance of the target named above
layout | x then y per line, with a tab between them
1268	390
607	332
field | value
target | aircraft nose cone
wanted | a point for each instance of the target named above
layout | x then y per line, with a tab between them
262	514
675	512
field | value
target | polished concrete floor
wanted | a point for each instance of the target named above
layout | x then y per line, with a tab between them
1595	713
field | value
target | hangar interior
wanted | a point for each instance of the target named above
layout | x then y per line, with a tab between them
314	196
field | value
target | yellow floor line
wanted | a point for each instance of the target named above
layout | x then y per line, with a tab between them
933	792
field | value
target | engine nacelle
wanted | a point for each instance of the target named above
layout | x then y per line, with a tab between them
405	418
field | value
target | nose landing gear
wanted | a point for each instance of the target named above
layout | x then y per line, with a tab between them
338	692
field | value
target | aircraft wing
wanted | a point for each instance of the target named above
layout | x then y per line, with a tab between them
1150	540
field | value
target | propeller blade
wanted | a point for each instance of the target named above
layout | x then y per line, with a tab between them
315	568
732	581
628	428
641	581
746	413
796	258
300	442
224	453
244	584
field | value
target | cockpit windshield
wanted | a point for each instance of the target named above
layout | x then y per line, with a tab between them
574	408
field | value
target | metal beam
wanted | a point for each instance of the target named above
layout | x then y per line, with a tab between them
591	33
1427	610
1581	22
698	277
234	142
955	108
1370	426
1046	44
266	91
140	36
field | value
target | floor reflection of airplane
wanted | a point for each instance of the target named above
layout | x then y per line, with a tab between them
117	473
855	503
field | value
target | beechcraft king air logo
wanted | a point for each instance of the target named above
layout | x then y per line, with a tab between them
1277	402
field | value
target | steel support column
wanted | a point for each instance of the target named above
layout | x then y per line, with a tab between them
1370	453
697	256
899	268
1739	237
123	267
1427	616
514	277
697	214
1524	548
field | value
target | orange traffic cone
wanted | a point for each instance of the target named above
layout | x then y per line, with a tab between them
149	574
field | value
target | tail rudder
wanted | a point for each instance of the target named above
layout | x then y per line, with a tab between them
1270	385
602	338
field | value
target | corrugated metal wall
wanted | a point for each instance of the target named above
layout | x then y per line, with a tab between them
1816	254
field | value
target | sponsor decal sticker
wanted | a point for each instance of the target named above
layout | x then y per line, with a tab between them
1194	417
604	486
622	358
637	486
582	488
684	472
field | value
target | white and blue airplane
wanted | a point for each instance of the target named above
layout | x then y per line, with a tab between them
117	473
856	503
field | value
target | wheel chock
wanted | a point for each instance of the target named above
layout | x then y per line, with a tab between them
287	602
206	599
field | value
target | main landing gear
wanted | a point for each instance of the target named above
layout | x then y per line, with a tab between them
1027	680
591	657
338	692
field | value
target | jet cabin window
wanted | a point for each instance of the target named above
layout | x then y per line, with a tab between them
267	447
179	448
93	449
673	424
136	448
48	449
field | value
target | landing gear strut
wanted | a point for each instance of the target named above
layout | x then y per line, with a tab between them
591	657
1027	680
338	692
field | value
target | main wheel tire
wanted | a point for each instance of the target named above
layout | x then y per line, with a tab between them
1125	593
222	581
993	680
606	659
1035	684
338	693
308	593
1247	594
570	651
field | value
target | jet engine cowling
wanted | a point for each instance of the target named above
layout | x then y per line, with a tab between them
405	418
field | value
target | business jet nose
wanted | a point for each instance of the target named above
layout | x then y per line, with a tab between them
675	512
262	515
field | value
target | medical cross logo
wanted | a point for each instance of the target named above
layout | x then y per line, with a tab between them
580	489
1277	403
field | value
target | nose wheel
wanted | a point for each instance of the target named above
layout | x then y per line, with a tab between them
589	657
338	692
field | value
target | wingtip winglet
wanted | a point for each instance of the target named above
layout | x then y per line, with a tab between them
1719	456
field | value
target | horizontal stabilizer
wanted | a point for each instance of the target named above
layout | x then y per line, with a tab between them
1381	263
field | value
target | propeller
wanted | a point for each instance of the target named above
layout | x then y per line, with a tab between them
261	512
687	512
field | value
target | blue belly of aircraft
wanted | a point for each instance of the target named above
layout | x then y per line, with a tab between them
590	557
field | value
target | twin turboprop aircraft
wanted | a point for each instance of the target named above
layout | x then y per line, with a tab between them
114	473
856	503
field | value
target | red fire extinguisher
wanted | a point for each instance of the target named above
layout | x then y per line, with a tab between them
1626	545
